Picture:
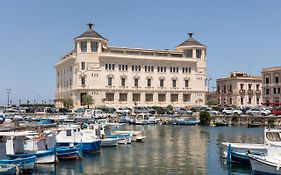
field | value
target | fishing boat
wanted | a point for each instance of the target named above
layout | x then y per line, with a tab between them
69	152
183	121
240	151
265	164
69	142
220	123
137	136
8	169
23	163
152	120
43	146
90	141
125	138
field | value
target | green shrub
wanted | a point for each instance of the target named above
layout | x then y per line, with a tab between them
204	117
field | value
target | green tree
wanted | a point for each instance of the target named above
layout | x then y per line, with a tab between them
87	100
68	102
170	107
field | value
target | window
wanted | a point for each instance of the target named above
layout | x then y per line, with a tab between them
242	101
241	86
267	80
276	79
186	97
58	73
148	97
136	82
257	86
161	97
161	82
174	97
186	83
83	66
174	83
258	101
250	100
188	53
230	101
123	97
149	82
109	81
84	46
136	97
123	81
123	67
68	132
198	53
83	81
249	86
109	97
267	91
94	46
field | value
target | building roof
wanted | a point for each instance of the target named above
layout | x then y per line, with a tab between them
90	33
191	42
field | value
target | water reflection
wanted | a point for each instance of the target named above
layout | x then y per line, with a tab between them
167	150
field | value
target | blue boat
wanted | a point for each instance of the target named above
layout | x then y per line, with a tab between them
240	156
188	122
24	164
2	118
42	156
92	146
8	169
69	152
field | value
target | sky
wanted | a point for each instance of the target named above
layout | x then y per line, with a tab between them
34	34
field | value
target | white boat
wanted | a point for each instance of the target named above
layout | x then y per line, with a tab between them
265	164
152	120
137	136
107	142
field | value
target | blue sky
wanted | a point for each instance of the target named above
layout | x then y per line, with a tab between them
34	34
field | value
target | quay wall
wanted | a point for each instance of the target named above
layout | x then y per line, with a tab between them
245	120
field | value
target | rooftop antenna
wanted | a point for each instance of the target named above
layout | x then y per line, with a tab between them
190	34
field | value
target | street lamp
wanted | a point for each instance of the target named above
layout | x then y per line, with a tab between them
209	79
8	93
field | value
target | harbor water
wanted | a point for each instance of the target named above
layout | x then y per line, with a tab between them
168	149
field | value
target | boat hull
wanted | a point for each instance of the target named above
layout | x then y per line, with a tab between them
68	152
91	146
43	156
8	169
261	166
25	164
109	142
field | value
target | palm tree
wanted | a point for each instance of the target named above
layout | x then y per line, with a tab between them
87	100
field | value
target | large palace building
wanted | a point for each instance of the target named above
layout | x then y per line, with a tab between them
119	76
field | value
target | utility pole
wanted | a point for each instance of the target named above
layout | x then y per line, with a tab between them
8	93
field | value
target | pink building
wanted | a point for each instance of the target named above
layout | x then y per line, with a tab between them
240	89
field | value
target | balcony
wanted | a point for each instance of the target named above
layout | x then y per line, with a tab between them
110	87
250	92
230	91
242	92
258	92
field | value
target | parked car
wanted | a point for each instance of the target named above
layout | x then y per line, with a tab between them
63	110
183	111
276	111
151	110
256	111
140	109
212	111
231	111
123	110
95	113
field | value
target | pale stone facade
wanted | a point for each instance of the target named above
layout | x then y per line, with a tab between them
240	89
118	76
271	84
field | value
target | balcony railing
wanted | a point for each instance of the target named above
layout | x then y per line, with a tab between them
250	92
242	92
258	92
